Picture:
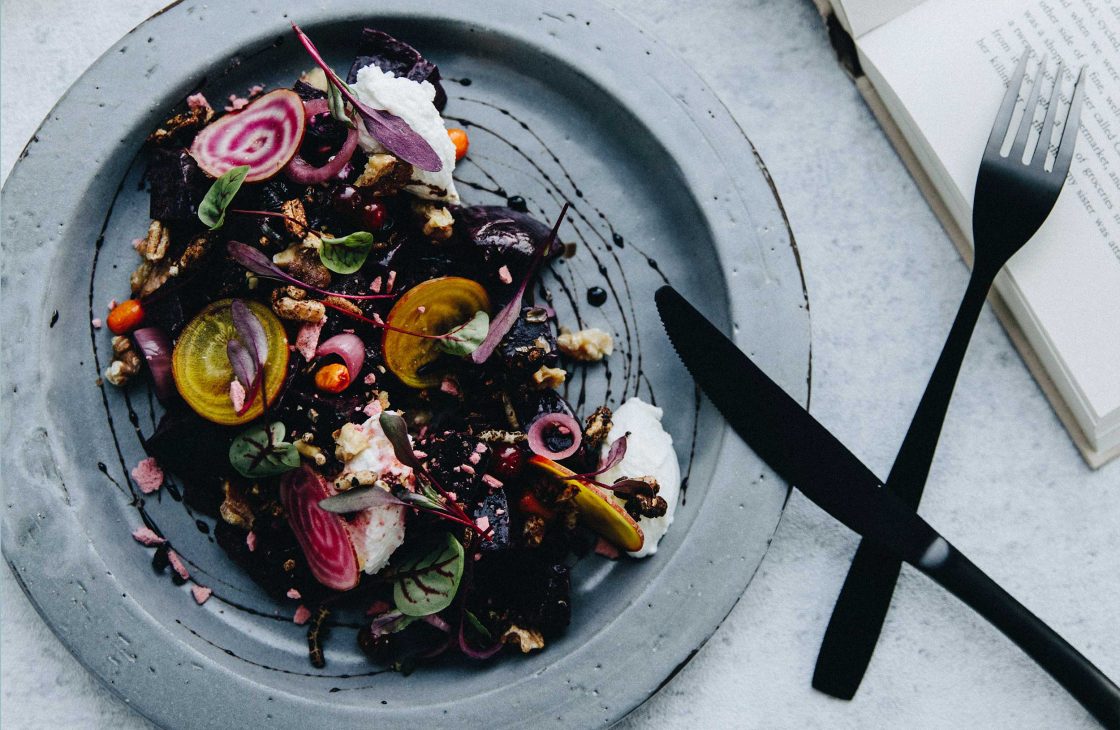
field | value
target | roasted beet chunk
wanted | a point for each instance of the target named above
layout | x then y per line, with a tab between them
195	450
457	461
276	561
494	507
539	598
530	342
307	92
178	185
398	58
500	236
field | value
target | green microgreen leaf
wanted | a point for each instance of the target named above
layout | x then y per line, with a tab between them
347	254
212	209
466	338
478	626
426	575
337	105
260	451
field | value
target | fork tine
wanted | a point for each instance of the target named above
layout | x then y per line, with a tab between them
1047	132
1007	108
1069	129
1025	124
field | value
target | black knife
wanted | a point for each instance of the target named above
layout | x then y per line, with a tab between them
808	456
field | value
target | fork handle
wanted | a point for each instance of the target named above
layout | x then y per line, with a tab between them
1085	682
865	597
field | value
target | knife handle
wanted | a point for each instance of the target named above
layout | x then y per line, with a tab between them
1085	682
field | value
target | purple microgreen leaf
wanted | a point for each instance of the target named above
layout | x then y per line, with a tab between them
614	456
501	324
359	498
632	487
260	264
243	362
390	130
250	330
389	622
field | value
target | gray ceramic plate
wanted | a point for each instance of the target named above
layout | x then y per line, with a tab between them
565	100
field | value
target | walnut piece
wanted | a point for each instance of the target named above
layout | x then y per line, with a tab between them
385	174
189	121
235	507
154	268
597	427
524	639
297	227
589	345
547	377
125	364
438	223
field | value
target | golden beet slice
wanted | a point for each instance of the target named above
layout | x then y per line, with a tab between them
598	511
433	307
201	367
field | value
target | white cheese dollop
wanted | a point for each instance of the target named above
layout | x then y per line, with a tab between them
377	531
649	452
413	102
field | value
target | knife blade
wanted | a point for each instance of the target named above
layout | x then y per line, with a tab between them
809	457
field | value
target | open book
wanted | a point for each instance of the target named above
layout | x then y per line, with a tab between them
934	72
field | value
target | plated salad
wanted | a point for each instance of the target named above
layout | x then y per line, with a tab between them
360	381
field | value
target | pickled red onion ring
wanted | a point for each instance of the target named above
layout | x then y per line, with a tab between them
347	346
538	430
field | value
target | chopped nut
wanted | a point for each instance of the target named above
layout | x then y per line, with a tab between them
597	427
438	223
189	121
235	507
195	250
497	436
154	246
297	310
533	531
311	452
384	173
547	377
125	364
589	345
524	639
346	304
297	226
285	258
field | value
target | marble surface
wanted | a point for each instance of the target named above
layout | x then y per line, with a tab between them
1007	487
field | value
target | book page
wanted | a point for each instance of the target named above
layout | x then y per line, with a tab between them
863	16
945	63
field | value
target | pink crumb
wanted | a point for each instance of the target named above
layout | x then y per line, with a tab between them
499	511
294	594
251	541
483	523
389	282
373	408
449	386
148	475
480	448
467	468
112	304
302	615
236	103
504	276
307	340
421	309
147	536
201	594
420	454
375	285
255	89
606	549
377	318
237	395
197	101
177	564
96	322
369	379
475	457
491	481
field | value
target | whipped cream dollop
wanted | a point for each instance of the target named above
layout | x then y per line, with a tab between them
413	102
378	531
649	452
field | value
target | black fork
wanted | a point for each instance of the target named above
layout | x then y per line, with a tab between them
1014	195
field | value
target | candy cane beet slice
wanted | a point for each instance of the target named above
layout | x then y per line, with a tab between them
264	135
322	535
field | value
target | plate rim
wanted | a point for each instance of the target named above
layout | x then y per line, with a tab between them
47	591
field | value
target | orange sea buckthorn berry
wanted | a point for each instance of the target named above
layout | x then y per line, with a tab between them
125	317
461	141
332	378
